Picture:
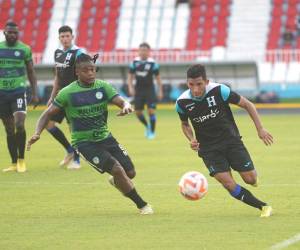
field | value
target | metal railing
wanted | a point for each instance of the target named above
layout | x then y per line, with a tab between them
182	56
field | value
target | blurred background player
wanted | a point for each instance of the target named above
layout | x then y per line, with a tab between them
218	141
143	68
15	60
85	105
64	58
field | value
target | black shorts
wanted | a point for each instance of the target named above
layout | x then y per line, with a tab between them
148	98
230	156
103	155
12	103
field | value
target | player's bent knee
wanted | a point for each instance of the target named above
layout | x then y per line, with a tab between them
131	174
251	180
229	185
20	127
117	170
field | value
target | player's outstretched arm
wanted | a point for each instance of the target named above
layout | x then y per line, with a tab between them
263	134
130	84
55	89
188	132
123	104
42	123
160	88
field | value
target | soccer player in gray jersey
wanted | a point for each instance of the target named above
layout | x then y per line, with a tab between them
85	104
64	58
143	68
217	140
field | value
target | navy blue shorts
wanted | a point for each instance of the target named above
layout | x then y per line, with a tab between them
230	156
104	154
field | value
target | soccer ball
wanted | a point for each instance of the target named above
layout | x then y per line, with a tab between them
193	185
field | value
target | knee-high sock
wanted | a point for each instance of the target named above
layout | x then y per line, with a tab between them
61	138
247	197
152	122
12	148
136	198
142	119
21	143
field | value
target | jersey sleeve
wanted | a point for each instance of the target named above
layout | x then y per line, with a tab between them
60	100
80	51
28	54
132	68
156	69
182	115
229	96
110	91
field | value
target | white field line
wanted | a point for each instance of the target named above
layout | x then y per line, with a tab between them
286	243
8	183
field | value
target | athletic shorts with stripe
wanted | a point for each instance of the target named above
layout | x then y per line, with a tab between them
104	154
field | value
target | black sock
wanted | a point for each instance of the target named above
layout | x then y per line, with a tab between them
152	122
21	143
247	197
142	119
60	137
12	148
134	196
76	157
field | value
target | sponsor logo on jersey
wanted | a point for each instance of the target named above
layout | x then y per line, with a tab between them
213	114
17	53
211	101
99	95
96	160
190	106
141	73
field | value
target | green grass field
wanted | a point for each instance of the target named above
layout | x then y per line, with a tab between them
53	208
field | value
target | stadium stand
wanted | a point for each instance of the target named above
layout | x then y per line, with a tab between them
154	22
32	17
208	25
283	25
98	24
267	32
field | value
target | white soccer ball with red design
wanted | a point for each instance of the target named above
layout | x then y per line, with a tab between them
193	185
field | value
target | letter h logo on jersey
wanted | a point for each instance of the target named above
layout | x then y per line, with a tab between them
211	101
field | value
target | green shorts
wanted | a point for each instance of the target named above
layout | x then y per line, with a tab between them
228	156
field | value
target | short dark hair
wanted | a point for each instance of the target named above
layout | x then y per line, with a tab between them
83	58
195	71
11	24
65	28
145	45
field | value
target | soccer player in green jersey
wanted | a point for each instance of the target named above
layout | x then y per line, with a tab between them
85	104
15	61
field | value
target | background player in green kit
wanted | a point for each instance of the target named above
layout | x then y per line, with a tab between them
85	104
15	61
217	140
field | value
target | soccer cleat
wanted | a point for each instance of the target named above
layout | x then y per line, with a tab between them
266	211
11	168
151	135
21	166
147	131
74	165
68	158
146	210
